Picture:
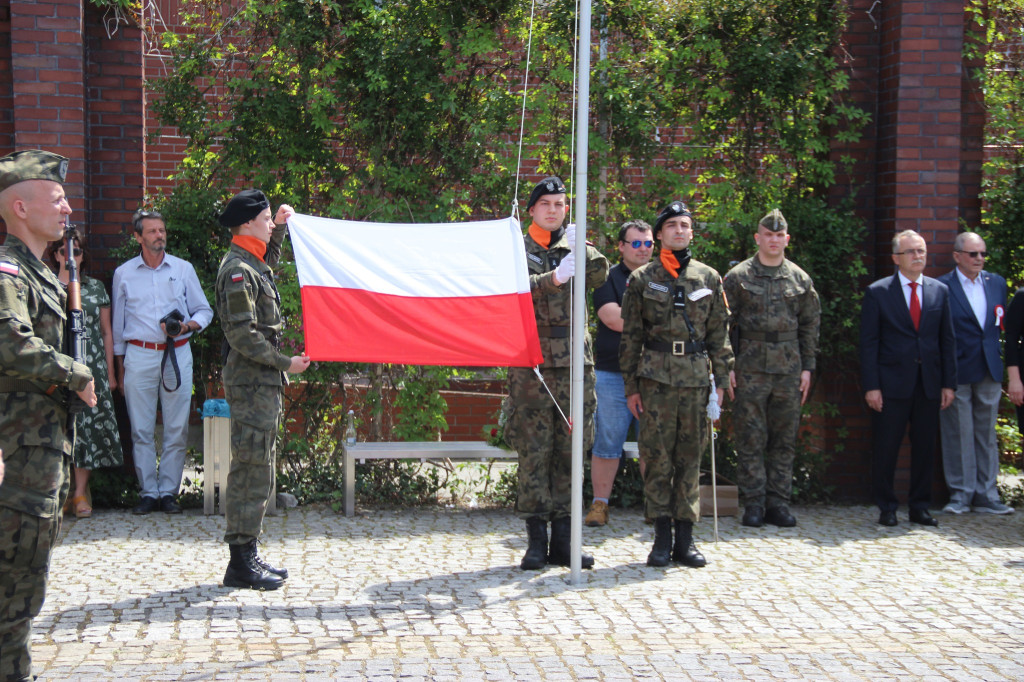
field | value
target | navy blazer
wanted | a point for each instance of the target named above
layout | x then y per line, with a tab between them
892	351
977	350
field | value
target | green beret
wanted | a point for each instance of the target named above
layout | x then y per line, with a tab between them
774	222
32	164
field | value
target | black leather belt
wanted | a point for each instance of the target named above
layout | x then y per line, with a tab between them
770	337
676	347
553	332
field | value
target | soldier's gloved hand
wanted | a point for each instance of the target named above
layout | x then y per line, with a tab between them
570	234
566	269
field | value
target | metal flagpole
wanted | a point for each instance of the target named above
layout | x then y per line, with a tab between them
579	289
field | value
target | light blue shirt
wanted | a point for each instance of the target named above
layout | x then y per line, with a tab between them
143	295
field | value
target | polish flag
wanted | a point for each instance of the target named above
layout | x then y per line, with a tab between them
442	294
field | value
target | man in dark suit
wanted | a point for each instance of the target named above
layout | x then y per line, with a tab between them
970	456
908	373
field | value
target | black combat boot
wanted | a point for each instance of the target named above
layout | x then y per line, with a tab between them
243	571
560	552
685	552
661	553
269	568
537	552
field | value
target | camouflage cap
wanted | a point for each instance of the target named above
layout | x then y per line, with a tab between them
671	211
774	222
32	164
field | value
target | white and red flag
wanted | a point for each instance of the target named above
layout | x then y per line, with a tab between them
439	294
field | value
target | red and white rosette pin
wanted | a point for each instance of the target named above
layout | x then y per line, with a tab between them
999	316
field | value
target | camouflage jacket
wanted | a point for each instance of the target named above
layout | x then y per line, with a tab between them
775	317
249	307
32	318
552	304
650	315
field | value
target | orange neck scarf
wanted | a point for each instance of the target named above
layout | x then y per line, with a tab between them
540	235
671	263
250	244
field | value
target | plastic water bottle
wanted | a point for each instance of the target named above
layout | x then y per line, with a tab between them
350	430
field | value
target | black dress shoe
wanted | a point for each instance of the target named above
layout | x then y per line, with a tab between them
753	516
780	516
922	517
169	506
146	505
887	518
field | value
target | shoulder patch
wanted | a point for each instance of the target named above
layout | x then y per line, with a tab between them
237	277
10	268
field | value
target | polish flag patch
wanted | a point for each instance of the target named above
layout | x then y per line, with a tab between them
10	269
237	277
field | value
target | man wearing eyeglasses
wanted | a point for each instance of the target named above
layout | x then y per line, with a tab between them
908	373
970	456
613	419
775	315
153	356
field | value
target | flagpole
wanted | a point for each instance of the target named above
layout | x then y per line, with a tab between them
579	289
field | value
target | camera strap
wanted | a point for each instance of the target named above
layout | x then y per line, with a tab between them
170	350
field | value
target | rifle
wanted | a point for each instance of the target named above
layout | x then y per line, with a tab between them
75	333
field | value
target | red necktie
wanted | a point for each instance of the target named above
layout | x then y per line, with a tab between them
915	306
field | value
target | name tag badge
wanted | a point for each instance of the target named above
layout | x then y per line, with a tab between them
658	287
534	257
699	294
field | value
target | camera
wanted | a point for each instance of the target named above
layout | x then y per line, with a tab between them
172	322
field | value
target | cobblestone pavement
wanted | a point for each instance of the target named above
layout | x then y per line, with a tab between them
437	595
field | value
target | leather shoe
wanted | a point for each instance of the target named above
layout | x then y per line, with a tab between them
922	517
753	516
169	506
146	505
780	516
887	518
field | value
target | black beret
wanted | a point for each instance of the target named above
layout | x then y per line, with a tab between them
243	207
774	222
549	185
671	211
32	164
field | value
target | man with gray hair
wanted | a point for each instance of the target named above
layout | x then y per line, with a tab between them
970	456
158	305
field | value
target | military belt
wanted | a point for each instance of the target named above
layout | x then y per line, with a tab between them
11	385
676	347
553	332
770	337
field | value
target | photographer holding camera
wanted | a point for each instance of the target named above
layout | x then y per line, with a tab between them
158	305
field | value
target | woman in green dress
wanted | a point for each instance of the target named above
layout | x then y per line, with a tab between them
98	444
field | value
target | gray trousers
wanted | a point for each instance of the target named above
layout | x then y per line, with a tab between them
970	456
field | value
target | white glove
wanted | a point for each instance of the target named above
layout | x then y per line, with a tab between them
570	234
566	269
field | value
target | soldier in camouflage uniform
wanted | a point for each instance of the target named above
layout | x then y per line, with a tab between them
254	377
674	330
535	428
774	328
36	380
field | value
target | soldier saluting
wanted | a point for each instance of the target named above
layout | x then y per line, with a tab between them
775	320
674	330
36	379
254	377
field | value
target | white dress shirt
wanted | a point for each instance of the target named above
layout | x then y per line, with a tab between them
905	284
975	292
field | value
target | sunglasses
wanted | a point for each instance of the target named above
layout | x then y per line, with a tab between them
975	254
636	243
74	252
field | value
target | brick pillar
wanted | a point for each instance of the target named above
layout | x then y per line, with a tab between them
47	69
919	126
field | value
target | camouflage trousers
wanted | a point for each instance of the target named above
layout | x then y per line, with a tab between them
35	487
766	416
255	413
542	439
673	435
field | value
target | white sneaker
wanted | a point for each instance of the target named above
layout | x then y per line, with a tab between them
956	508
990	507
